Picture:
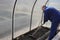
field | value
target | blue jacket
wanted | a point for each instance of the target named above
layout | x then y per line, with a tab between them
54	16
51	14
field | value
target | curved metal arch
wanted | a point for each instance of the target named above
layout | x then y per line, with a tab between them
32	14
13	19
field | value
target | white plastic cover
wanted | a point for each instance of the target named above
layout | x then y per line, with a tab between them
22	16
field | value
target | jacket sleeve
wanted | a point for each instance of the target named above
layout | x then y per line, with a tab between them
45	17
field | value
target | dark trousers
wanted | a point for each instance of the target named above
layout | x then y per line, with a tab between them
53	30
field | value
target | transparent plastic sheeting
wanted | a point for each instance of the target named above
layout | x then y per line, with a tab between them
5	19
55	4
23	10
22	16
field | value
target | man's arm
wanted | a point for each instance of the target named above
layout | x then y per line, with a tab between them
45	13
45	17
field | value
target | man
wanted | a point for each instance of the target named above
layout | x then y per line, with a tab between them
53	15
